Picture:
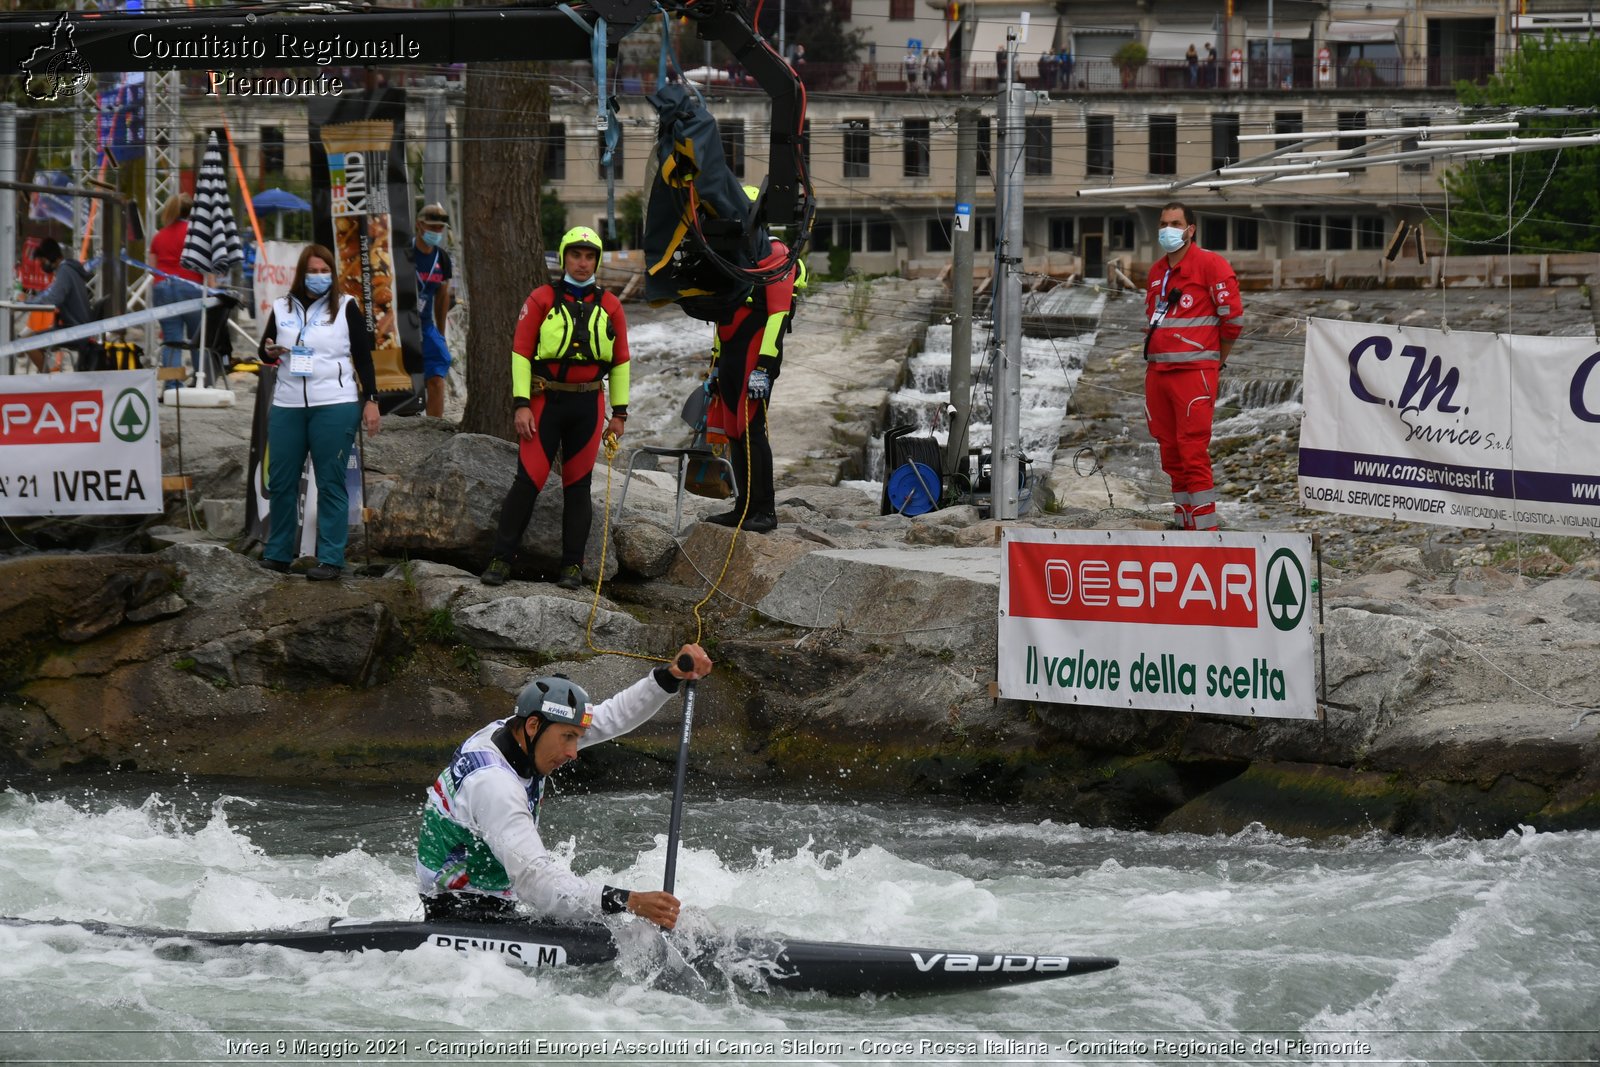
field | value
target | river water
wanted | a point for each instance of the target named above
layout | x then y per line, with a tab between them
1361	951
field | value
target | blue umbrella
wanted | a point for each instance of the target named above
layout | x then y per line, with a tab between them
270	200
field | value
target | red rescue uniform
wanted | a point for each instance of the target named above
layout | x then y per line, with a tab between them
1193	308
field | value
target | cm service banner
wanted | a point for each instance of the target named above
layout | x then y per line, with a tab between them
1199	622
1458	429
79	444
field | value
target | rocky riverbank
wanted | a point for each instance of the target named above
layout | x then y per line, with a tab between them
855	650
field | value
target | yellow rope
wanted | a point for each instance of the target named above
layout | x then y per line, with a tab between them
612	446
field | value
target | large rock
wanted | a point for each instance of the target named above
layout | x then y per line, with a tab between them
929	599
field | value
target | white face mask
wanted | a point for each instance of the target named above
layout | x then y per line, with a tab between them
1171	237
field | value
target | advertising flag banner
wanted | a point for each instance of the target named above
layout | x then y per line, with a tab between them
275	265
80	444
1492	431
361	201
1212	623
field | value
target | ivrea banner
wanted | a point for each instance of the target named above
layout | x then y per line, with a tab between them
1196	622
1459	429
79	444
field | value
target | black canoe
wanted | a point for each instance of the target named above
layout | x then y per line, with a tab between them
836	968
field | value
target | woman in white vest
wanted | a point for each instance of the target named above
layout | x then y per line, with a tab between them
317	338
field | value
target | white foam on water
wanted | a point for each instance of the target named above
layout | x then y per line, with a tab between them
1246	932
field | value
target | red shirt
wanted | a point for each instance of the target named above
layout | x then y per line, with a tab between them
540	302
167	246
1203	308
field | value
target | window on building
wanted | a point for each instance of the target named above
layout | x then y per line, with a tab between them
1099	157
1036	152
1163	144
938	235
1421	166
555	153
880	236
1288	122
902	10
847	233
841	10
1246	235
1224	139
618	169
857	148
1371	232
1213	232
1063	234
1308	233
1352	120
985	148
732	131
1119	232
821	235
271	150
1338	233
917	149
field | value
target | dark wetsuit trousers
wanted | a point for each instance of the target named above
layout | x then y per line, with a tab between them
569	424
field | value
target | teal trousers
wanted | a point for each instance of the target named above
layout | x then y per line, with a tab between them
328	433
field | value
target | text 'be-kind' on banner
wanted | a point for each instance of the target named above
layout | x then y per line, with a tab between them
1492	431
1218	623
80	444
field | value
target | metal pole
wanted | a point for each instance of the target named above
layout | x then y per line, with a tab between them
8	213
961	290
1272	74
434	148
781	12
1007	379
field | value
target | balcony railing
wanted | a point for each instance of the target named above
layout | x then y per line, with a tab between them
1085	76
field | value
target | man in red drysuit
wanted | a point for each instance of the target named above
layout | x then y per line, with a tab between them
1193	304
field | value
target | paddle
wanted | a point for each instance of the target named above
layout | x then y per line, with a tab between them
675	825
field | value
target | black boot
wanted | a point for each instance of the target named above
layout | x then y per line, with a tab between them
730	518
760	522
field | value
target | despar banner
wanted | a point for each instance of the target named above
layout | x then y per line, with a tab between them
1211	623
80	444
258	503
1490	431
361	210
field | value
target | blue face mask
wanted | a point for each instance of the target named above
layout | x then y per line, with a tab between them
575	283
1171	237
317	284
433	238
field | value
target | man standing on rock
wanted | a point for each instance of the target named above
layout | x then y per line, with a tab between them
746	359
1192	300
434	271
569	336
479	851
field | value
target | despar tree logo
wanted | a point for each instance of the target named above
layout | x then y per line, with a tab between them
56	69
130	415
1286	590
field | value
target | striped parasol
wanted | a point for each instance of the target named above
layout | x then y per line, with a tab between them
212	244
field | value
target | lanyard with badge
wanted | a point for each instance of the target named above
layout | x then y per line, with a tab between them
1160	312
1161	302
300	355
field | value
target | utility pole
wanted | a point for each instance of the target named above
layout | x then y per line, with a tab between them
781	20
1006	381
961	241
434	146
8	215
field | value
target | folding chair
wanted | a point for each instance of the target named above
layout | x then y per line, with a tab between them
697	451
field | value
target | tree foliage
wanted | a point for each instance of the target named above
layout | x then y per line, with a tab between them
1554	197
504	131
